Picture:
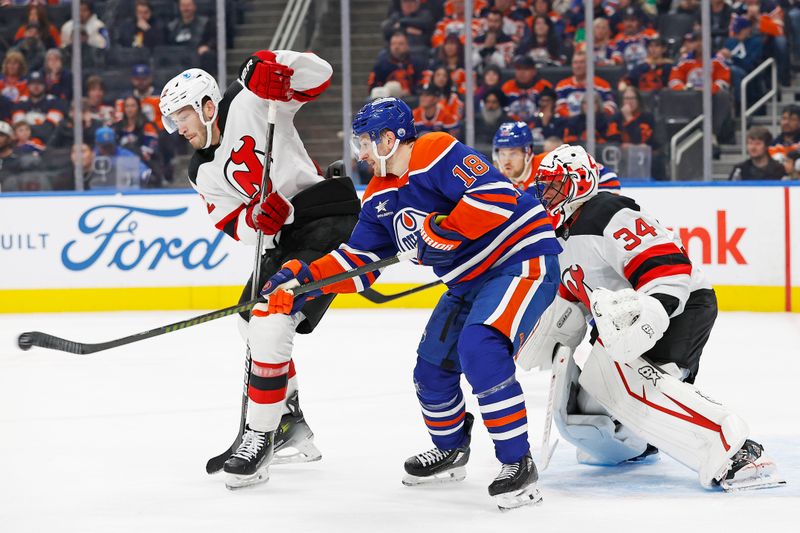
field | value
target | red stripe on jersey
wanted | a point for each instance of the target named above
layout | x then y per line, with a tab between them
513	417
472	222
266	396
653	251
663	272
292	371
512	240
230	216
502	198
311	94
443	423
506	319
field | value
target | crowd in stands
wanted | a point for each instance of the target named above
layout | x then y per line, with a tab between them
129	48
530	63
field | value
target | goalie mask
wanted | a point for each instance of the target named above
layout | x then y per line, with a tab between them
567	177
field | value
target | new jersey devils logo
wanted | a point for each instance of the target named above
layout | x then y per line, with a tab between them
572	278
407	223
244	168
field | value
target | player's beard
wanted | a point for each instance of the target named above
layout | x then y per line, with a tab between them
199	140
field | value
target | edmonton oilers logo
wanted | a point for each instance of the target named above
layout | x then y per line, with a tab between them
407	223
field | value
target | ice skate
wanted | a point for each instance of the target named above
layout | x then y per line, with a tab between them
249	464
751	469
294	440
439	466
515	485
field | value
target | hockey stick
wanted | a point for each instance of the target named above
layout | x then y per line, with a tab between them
377	298
44	340
216	463
559	362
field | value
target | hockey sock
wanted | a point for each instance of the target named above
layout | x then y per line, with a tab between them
486	358
267	393
442	404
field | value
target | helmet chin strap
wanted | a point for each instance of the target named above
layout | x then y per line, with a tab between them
384	158
208	124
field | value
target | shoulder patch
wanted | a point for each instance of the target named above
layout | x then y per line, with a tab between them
595	214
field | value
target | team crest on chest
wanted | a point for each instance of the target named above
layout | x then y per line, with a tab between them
244	168
407	223
573	279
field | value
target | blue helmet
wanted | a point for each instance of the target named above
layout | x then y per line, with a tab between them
513	135
385	114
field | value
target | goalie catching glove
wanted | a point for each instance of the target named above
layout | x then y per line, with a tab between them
277	290
629	322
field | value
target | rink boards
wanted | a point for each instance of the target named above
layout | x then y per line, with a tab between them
158	251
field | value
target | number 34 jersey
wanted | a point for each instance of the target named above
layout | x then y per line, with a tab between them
502	227
228	176
611	243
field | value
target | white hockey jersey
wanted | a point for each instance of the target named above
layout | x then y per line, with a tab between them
228	176
611	243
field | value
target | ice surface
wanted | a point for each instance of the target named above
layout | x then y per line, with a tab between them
117	441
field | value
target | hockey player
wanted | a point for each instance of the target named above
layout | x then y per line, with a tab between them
653	311
513	156
496	251
303	216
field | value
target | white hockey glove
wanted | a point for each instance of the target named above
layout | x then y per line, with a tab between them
561	323
629	322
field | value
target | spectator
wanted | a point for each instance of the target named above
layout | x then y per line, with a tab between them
721	13
442	83
64	134
546	123
744	52
569	91
490	115
451	56
576	17
135	132
5	109
603	45
493	46
41	111
606	127
789	137
143	89
431	116
630	46
767	19
145	31
688	73
492	76
395	64
524	89
413	20
636	124
653	73
57	79
545	8
794	20
118	167
26	144
760	166
453	24
32	46
542	44
95	96
689	7
7	142
791	166
195	32
93	31
37	14
12	82
90	175
551	143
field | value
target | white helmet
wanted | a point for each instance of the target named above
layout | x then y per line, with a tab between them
573	174
190	87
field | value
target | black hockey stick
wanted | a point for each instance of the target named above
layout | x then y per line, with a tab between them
377	298
45	340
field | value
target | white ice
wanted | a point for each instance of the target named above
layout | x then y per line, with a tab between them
117	441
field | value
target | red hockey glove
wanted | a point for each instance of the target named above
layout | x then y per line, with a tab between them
437	246
266	78
270	215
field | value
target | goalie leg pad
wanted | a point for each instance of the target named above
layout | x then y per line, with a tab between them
586	425
673	416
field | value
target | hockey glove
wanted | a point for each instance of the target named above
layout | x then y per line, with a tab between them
270	215
280	299
437	246
266	78
629	322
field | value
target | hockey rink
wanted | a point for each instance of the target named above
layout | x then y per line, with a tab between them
118	441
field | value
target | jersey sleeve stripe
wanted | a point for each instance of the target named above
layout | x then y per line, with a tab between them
311	94
662	271
472	222
492	187
633	265
612	184
329	265
489	208
501	198
368	255
229	223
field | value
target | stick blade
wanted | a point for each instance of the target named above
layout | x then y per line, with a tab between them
215	464
44	340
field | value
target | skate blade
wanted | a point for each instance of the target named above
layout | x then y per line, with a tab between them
300	453
530	495
755	483
236	482
456	474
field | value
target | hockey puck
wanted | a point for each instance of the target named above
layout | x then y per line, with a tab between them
25	342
